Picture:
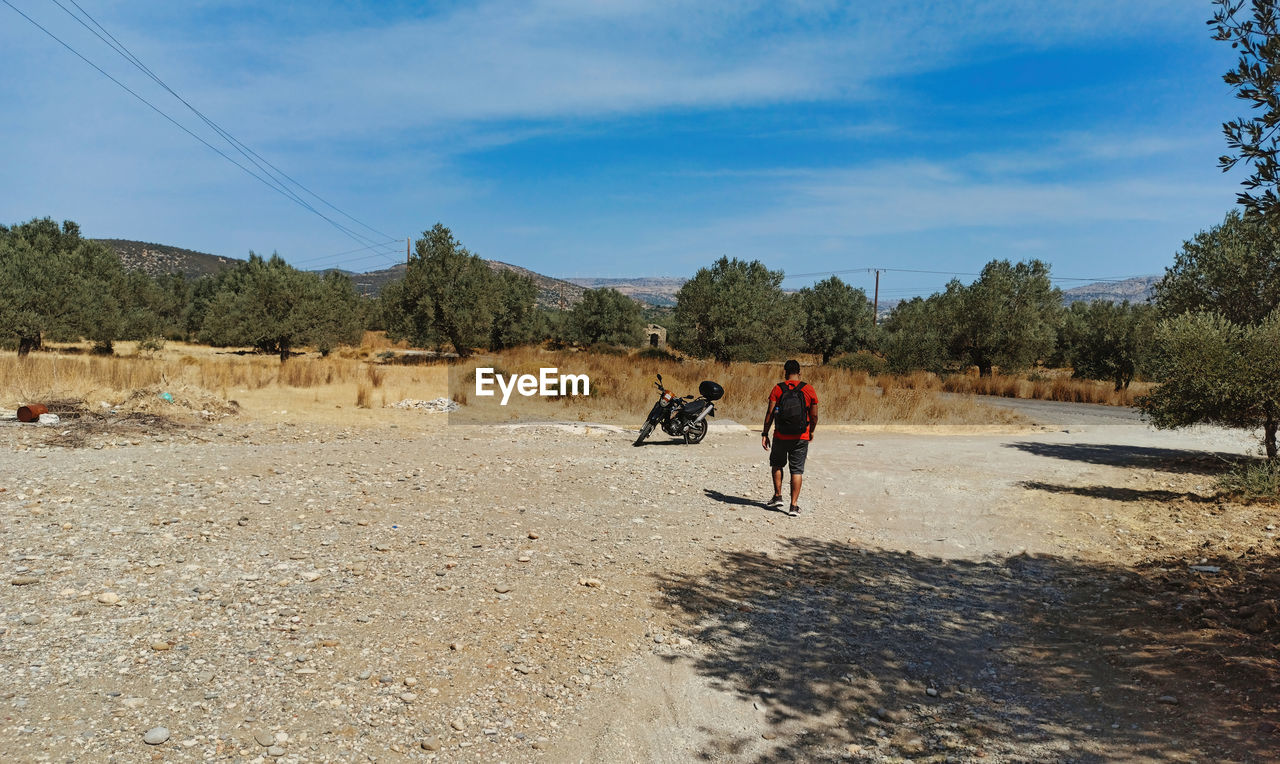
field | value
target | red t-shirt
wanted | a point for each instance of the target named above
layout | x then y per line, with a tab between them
810	400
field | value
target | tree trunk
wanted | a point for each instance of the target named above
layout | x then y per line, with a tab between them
27	344
284	352
984	369
826	357
1269	437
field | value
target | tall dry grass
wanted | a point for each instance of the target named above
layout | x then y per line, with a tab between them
622	390
1057	388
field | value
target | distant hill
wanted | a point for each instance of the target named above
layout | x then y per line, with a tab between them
552	292
653	291
158	259
1137	289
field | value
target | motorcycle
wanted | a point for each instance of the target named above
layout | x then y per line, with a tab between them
682	417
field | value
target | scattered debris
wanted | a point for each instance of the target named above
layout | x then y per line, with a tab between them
434	406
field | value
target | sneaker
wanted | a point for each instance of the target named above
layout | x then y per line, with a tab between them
793	510
776	501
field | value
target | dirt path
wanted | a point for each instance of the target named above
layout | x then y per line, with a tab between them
468	593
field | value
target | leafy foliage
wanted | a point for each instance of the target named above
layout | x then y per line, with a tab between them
735	311
1105	340
606	316
1008	317
837	318
1216	371
1255	80
274	307
1233	269
450	295
54	284
916	334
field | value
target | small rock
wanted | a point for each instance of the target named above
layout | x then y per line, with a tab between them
33	619
457	725
133	703
408	697
931	692
108	598
502	588
275	750
541	745
853	749
430	745
594	583
264	738
410	681
156	736
363	675
770	735
161	646
682	642
533	535
1169	700
24	580
523	558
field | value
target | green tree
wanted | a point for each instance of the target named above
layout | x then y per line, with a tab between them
447	294
1232	269
275	308
837	318
1106	340
1008	317
516	320
1255	80
336	314
1213	370
54	284
606	316
735	310
916	335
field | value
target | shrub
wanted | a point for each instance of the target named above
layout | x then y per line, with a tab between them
1254	479
864	362
659	354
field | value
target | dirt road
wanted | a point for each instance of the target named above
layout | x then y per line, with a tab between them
551	593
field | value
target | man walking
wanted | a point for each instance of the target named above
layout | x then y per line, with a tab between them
793	409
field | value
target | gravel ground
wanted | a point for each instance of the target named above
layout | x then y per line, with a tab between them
237	591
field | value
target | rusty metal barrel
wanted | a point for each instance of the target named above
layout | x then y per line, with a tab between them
31	412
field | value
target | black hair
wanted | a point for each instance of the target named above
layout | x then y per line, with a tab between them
791	367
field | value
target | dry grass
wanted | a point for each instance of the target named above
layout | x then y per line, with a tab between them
352	387
307	387
622	390
1049	388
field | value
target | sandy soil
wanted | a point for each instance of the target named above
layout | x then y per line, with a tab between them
426	591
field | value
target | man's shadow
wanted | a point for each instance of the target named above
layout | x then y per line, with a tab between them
741	501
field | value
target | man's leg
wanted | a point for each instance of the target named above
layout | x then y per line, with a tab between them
796	480
777	481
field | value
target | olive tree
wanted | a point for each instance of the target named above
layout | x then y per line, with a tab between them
1213	370
605	316
837	318
735	310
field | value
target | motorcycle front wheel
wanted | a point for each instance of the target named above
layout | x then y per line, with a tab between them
644	433
696	433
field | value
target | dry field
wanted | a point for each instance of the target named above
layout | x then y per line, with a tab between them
358	384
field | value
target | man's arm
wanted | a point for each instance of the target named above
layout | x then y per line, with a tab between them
768	420
813	419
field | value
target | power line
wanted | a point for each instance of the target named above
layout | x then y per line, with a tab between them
283	191
247	152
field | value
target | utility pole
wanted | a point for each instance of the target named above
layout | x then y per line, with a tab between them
407	255
875	311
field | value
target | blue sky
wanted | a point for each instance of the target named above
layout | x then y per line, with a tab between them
621	138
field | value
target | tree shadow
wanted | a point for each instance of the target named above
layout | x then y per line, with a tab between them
899	655
1141	457
1114	493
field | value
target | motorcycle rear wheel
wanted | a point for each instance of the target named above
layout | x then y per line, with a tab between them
644	433
696	433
